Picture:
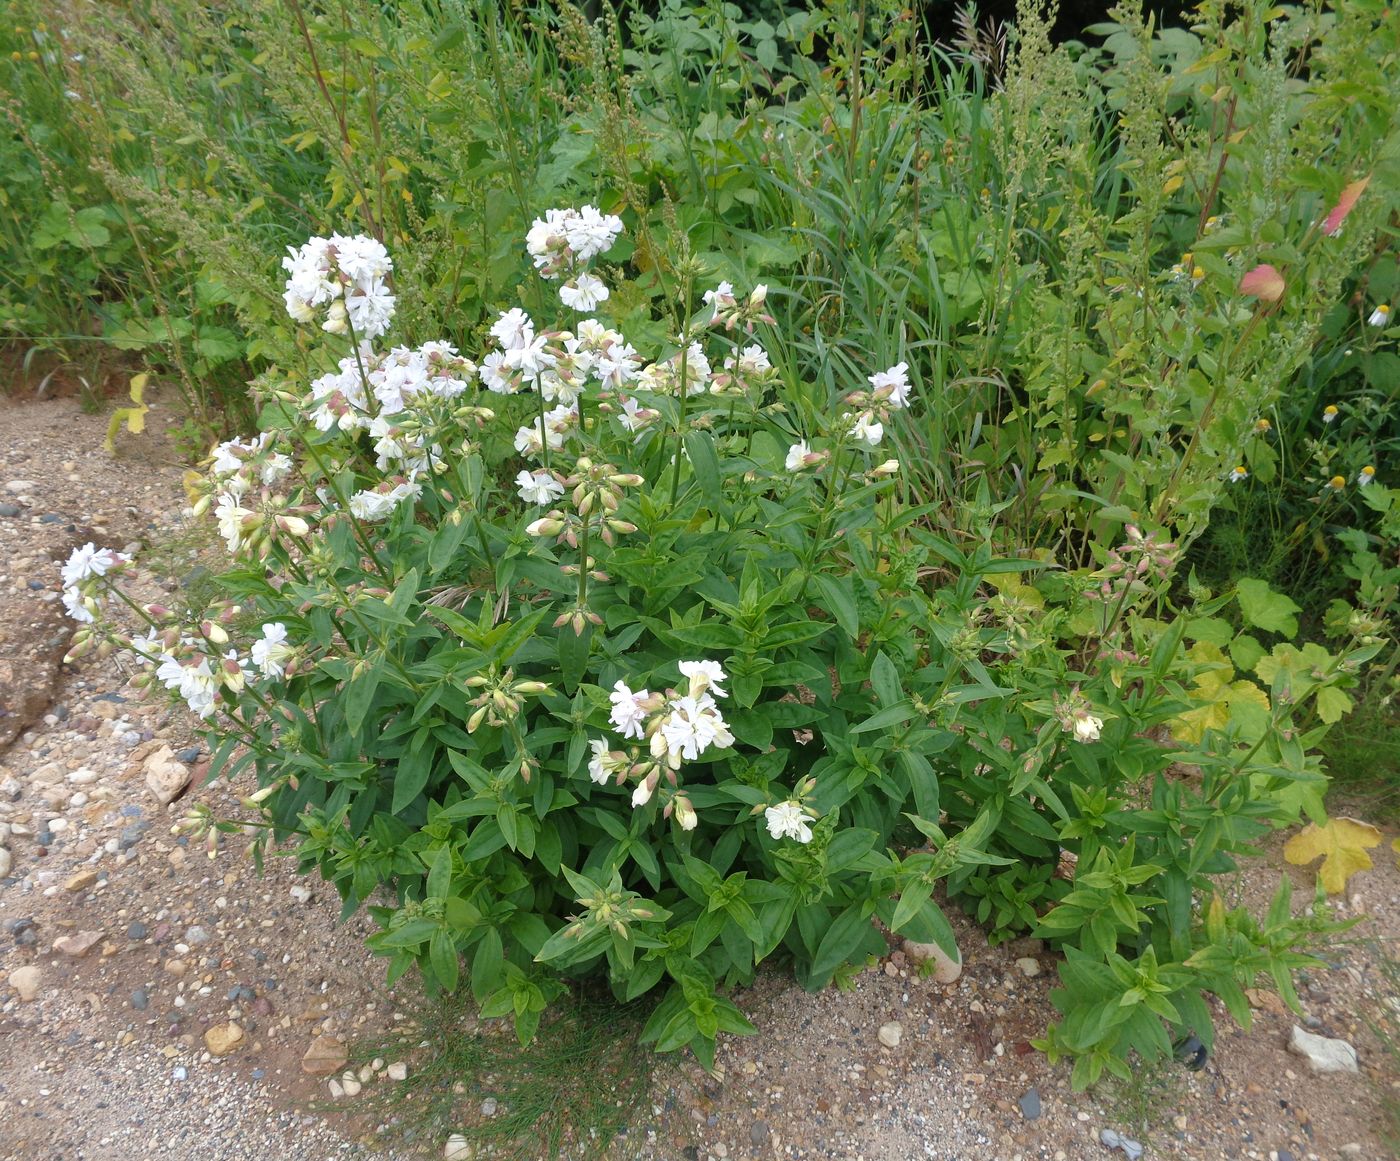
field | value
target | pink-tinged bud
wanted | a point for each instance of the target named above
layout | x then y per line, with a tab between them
623	526
261	796
597	620
214	632
626	480
531	688
525	771
600	577
561	619
586	505
293	525
578	623
157	612
758	296
545	526
610	501
685	813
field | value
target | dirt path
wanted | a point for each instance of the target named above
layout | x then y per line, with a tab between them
111	1057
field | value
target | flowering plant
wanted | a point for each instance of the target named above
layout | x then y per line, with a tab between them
670	682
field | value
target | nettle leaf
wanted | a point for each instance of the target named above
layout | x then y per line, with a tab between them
1265	609
1341	843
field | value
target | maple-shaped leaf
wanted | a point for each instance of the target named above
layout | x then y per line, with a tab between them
1341	843
1221	699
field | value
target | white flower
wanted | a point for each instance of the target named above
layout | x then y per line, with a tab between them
233	520
628	715
788	820
895	382
597	771
685	812
584	293
370	310
375	504
493	374
721	299
78	605
1086	726
1238	474
642	795
634	416
591	232
617	364
868	430
693	725
532	357
1366	476
704	675
513	329
1380	316
797	456
605	763
538	487
90	561
271	653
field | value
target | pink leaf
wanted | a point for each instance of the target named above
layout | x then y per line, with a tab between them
1264	283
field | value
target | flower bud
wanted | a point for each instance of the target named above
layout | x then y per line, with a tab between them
476	719
545	526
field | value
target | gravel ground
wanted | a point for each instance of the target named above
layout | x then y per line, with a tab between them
157	1004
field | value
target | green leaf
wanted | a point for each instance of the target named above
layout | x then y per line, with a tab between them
440	873
1265	609
359	695
884	680
842	942
891	716
1332	704
442	955
839	600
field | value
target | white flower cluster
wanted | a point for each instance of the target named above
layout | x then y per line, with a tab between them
889	391
676	727
239	465
665	377
566	239
85	565
727	309
399	381
564	242
342	278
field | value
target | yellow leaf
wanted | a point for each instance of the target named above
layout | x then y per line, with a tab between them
1341	844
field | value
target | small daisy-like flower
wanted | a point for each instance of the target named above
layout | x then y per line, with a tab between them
78	606
1330	413
1336	483
1366	476
1380	316
604	763
788	820
1240	473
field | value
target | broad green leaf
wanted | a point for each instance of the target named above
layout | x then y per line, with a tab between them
1266	609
